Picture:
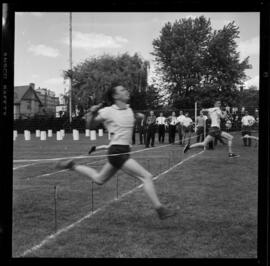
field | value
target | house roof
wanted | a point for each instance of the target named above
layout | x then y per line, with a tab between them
20	91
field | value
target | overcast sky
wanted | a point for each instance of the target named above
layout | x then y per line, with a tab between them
42	40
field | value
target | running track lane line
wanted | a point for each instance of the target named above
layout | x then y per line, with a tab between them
67	228
93	156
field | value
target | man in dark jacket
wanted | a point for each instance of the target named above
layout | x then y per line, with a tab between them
151	129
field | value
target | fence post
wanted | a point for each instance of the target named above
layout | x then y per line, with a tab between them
92	196
117	187
55	208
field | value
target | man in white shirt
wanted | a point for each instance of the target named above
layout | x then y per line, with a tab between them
200	124
172	121
119	119
247	123
187	127
215	115
161	127
180	120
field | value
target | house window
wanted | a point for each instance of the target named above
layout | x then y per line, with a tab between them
28	106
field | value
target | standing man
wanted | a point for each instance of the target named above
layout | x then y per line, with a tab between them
200	123
172	121
187	127
151	129
141	124
215	115
134	133
118	118
180	120
161	127
247	123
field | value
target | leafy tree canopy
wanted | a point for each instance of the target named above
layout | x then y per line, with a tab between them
199	62
91	78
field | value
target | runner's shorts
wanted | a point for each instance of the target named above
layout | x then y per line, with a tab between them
214	132
118	160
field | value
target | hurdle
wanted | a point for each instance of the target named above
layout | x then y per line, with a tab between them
15	134
43	135
62	133
59	135
50	133
37	133
100	132
93	135
27	135
76	135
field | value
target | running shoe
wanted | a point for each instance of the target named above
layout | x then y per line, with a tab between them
233	155
187	147
93	148
65	164
164	213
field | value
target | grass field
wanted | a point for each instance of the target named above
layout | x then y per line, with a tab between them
215	196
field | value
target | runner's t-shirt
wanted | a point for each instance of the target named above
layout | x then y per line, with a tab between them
215	114
120	122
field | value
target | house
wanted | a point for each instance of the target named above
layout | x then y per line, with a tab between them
26	102
48	99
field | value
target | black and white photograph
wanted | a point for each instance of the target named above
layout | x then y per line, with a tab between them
136	134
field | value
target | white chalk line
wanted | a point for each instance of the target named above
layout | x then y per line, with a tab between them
92	156
67	228
25	165
39	162
84	156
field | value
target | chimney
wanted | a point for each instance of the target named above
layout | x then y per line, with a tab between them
32	85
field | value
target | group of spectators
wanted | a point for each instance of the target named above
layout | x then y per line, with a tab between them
183	126
148	126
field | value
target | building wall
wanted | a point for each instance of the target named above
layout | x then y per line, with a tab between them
48	100
16	111
29	105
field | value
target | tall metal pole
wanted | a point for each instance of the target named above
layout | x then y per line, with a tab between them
70	66
195	117
196	111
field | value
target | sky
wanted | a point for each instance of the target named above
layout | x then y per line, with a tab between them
42	40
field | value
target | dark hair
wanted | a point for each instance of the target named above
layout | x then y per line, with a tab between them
111	91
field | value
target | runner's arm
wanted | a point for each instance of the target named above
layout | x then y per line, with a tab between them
92	118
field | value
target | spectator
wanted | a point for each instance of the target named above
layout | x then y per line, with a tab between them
228	125
142	129
161	127
228	109
247	122
172	121
187	127
200	124
151	129
180	119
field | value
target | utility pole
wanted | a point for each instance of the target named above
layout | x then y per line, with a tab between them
70	66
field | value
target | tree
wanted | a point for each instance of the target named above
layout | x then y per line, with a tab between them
91	78
193	58
250	98
147	99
